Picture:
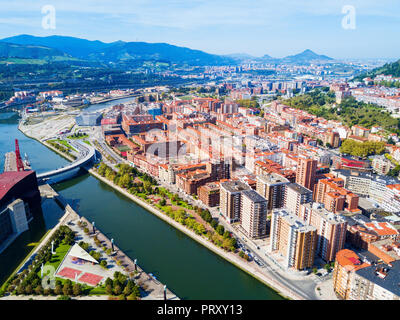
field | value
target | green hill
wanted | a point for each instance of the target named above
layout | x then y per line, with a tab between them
387	69
12	50
121	51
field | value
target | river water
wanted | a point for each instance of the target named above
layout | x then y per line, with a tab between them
190	270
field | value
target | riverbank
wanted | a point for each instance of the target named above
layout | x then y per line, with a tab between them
151	288
252	270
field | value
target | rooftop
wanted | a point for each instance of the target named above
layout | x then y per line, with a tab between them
294	221
350	260
272	178
298	188
383	275
9	178
234	186
253	196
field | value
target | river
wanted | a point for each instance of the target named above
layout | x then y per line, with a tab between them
190	270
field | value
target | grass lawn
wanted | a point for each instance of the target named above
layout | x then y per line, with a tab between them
56	258
62	142
87	142
83	136
96	290
65	143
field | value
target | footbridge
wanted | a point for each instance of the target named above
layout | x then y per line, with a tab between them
87	156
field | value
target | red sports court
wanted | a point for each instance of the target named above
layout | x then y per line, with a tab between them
69	273
90	278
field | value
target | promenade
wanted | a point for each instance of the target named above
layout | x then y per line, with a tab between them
152	288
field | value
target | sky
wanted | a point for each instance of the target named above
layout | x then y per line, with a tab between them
257	27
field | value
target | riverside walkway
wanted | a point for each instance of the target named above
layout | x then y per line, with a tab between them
153	289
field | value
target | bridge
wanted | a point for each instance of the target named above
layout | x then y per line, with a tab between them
88	155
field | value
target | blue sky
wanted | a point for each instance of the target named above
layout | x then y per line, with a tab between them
257	27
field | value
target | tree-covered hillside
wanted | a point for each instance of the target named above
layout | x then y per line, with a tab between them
350	112
387	69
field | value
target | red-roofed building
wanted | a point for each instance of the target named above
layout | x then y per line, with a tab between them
346	263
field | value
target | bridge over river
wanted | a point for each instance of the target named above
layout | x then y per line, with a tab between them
87	155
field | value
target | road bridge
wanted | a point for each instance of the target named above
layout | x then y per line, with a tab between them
88	155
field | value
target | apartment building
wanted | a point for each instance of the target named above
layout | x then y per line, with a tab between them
331	193
209	194
306	172
331	229
272	187
346	263
376	282
295	196
381	189
253	214
381	165
294	239
230	199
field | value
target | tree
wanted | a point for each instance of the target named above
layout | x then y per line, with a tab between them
76	289
67	289
21	289
214	224
125	181
199	228
394	172
28	289
109	289
135	292
220	229
39	290
233	243
102	169
108	282
128	288
58	289
147	187
103	263
48	292
117	290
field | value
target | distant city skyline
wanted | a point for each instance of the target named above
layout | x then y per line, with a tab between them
221	26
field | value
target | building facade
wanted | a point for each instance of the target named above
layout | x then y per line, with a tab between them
293	239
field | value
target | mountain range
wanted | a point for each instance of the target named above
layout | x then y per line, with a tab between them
62	47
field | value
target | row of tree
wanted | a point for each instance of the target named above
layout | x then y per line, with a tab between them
28	281
121	286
